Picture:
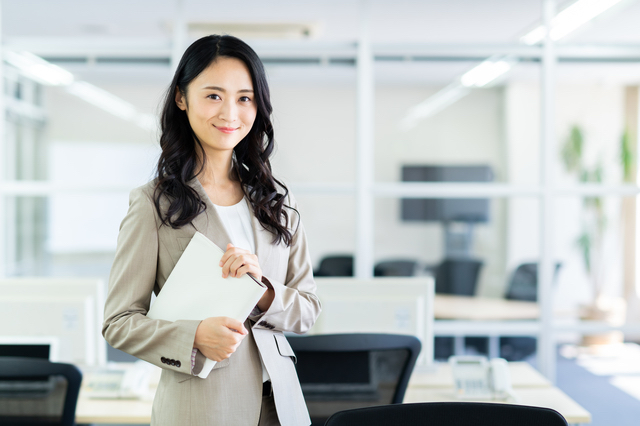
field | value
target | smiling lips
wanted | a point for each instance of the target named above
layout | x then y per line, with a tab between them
226	129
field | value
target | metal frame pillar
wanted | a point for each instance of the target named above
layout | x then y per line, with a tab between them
546	339
365	226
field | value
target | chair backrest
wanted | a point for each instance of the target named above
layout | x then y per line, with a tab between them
523	284
335	266
458	276
448	414
342	371
24	379
395	268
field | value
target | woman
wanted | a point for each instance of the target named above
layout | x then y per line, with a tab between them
214	177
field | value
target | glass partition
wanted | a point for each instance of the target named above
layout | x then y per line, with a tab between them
496	126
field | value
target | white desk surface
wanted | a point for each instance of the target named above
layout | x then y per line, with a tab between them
522	375
123	411
531	387
549	397
139	412
447	306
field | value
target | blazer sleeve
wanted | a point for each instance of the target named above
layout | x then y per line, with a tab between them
295	306
132	280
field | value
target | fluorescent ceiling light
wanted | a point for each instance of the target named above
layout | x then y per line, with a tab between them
38	69
44	72
570	19
435	103
485	73
147	121
103	99
112	104
533	37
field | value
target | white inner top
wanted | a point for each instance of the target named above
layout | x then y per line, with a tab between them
237	222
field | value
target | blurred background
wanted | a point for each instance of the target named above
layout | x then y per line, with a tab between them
431	137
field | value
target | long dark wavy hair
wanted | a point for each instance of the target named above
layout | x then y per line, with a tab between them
179	162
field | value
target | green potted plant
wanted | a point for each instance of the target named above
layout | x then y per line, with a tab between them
594	225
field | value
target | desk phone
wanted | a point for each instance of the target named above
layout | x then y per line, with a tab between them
475	377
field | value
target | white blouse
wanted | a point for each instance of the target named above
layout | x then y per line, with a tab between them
237	222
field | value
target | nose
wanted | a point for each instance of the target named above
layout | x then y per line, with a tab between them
228	111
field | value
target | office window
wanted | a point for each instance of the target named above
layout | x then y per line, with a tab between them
314	124
329	222
496	125
505	239
595	245
596	115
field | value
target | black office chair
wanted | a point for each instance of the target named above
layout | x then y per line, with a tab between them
395	268
343	371
523	285
458	276
448	414
335	266
31	392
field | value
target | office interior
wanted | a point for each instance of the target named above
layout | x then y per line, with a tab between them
447	135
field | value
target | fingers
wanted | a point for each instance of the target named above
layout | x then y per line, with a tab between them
256	273
248	262
234	325
231	250
236	262
219	337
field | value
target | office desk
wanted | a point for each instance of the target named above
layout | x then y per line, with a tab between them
100	411
139	412
531	387
425	386
115	411
522	375
462	316
549	397
453	307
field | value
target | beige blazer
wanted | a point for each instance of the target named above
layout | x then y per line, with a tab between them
232	394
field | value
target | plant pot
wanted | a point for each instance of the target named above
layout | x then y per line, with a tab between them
608	310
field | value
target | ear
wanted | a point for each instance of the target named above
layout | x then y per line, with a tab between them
181	100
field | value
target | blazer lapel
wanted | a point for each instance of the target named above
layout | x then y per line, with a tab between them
209	223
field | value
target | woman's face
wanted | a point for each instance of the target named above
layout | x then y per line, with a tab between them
220	104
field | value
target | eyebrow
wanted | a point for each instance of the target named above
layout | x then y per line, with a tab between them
220	89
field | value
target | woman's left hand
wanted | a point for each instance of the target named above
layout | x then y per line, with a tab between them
236	262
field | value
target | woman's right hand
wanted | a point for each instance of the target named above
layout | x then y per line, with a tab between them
218	337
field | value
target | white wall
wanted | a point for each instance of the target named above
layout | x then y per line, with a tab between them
89	145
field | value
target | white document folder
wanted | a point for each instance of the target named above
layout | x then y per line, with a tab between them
195	290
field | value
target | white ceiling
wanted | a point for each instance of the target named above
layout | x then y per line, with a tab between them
430	22
427	21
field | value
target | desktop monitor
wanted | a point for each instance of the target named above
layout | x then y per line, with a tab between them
70	318
69	309
378	305
474	210
45	347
